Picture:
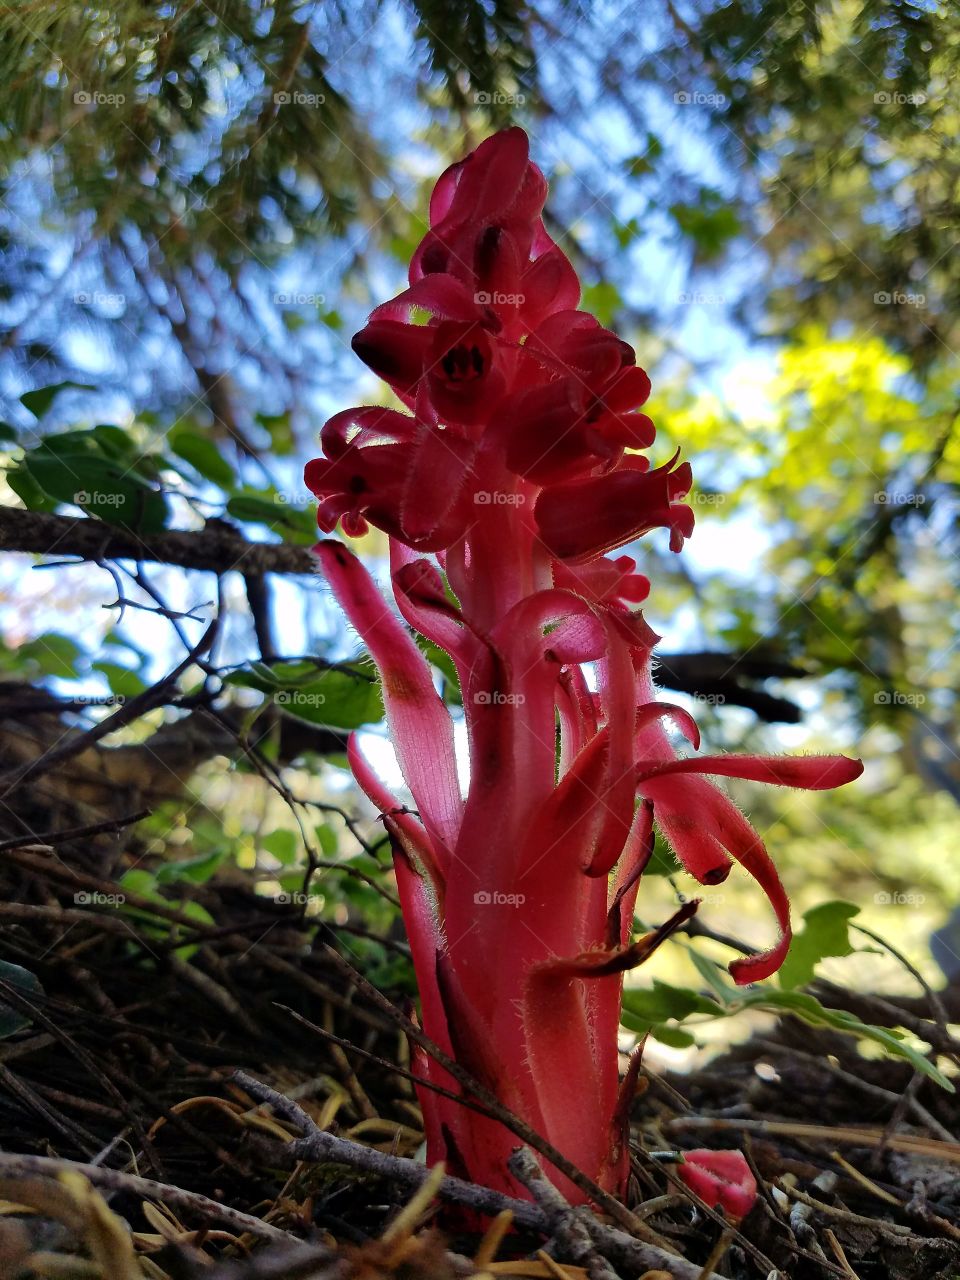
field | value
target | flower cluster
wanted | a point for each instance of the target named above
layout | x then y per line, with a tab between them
516	469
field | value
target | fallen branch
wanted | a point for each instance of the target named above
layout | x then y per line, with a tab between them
568	1228
15	1166
318	1146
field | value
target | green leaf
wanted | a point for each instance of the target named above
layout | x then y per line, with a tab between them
139	880
196	870
339	697
123	682
103	488
28	491
275	513
806	1007
643	162
710	223
146	885
825	933
54	655
673	1036
603	300
39	401
662	1002
334	699
12	1020
204	456
8	434
113	441
253	509
279	427
725	991
283	844
327	837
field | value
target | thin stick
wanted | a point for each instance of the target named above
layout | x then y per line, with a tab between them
49	838
838	1253
862	1137
835	1211
864	1181
724	1240
490	1244
132	1184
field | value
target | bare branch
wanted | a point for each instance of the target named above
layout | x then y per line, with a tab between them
217	548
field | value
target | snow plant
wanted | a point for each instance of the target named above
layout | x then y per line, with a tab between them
506	489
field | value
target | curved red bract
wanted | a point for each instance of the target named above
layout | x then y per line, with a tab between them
722	1179
517	467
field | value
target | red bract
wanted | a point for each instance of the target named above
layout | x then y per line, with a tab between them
720	1178
515	471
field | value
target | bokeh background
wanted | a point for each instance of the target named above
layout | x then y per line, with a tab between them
199	204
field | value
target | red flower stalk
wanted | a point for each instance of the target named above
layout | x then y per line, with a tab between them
514	473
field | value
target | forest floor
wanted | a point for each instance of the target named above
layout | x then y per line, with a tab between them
131	1148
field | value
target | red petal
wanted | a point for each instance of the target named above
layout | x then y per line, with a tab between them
720	1178
443	296
568	1073
585	518
419	722
394	351
491	178
704	826
437	472
549	284
809	773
